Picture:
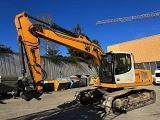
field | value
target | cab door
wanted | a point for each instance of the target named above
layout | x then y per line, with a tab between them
124	68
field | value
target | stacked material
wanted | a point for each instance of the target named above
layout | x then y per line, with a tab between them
74	81
64	83
55	85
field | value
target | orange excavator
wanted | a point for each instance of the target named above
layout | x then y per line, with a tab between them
116	87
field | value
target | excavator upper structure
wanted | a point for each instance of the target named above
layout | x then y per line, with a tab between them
116	87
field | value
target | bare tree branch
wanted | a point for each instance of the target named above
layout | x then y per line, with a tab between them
45	44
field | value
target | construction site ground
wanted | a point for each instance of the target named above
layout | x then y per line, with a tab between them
60	105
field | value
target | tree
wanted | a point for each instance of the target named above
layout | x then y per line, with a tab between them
75	53
5	49
52	52
77	30
95	41
51	48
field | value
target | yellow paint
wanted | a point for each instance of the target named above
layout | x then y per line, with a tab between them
140	81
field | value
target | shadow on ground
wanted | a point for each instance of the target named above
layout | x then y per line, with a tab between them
69	111
3	97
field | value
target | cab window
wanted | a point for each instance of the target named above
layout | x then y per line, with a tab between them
122	63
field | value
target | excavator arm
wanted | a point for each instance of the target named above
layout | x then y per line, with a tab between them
28	37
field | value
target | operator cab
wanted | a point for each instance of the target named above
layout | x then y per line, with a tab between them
114	67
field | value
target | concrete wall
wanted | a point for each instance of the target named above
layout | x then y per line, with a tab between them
10	66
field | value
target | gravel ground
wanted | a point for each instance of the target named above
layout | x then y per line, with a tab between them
60	106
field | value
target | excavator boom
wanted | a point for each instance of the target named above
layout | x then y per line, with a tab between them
28	37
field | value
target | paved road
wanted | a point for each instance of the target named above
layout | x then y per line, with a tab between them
60	106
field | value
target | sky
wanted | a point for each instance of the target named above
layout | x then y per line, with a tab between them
69	13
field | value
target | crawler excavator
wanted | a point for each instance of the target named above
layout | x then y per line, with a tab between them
116	87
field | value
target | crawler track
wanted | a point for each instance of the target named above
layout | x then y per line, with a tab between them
120	101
